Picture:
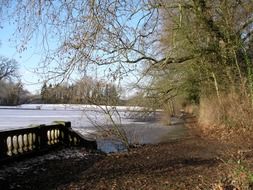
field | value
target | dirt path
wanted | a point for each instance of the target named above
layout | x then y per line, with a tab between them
186	164
190	163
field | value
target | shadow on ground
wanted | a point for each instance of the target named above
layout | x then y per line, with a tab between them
47	171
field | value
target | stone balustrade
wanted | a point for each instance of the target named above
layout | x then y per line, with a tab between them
28	141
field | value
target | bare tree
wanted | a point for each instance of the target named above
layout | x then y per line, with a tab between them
126	32
90	32
8	68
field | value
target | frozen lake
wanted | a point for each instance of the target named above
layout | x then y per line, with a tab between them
88	119
23	116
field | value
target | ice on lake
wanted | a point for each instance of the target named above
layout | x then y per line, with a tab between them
87	119
80	116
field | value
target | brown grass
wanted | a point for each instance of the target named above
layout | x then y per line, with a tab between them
230	116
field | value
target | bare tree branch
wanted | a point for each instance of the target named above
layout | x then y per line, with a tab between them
8	68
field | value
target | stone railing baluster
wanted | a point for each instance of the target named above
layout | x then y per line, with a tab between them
20	144
15	144
25	140
9	146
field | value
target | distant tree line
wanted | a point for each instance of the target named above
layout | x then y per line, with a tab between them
12	93
84	91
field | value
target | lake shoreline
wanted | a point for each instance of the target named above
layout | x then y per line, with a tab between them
192	162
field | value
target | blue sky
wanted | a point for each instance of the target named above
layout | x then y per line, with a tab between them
28	60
